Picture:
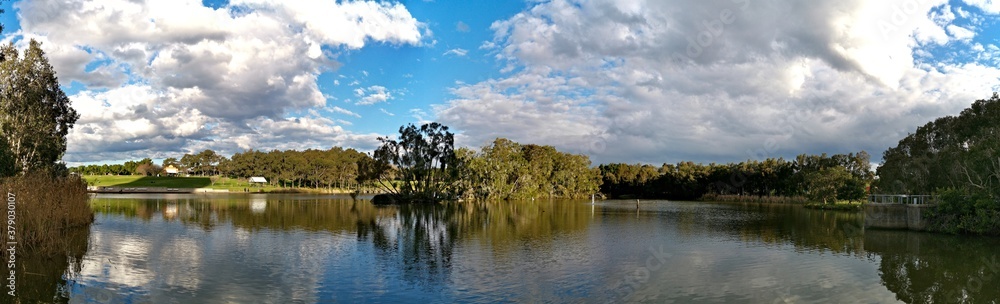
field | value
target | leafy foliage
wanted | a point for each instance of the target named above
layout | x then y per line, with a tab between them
507	170
960	152
825	184
957	212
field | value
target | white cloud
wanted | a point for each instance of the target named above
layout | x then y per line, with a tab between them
962	12
662	81
197	75
386	112
988	6
372	95
345	23
340	110
960	33
420	115
457	52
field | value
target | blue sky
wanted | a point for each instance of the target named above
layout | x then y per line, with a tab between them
621	81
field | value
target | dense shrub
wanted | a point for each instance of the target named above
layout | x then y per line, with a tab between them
959	212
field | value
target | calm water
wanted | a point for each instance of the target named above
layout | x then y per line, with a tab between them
308	249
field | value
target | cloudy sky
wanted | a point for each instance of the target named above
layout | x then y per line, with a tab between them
622	81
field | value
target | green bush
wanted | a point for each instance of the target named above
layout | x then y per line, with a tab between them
963	213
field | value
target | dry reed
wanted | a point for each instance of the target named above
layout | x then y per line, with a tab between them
47	208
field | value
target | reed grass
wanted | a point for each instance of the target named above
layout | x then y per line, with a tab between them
47	209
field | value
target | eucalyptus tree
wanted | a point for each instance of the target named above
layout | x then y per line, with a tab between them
35	113
424	161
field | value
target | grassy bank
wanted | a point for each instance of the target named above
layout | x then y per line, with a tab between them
46	208
147	181
231	184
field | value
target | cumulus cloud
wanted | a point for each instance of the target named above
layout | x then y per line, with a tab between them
170	76
662	81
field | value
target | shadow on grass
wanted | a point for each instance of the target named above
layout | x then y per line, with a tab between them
167	181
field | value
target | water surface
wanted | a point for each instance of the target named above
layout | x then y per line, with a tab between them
179	248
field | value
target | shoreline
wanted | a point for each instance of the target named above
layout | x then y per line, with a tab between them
166	190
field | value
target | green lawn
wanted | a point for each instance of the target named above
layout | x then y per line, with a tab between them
131	181
147	181
165	181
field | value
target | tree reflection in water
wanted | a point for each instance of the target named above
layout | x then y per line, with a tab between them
421	239
934	268
43	279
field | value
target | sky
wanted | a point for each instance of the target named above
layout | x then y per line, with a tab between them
619	80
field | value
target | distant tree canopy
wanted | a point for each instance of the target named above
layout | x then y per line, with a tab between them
335	167
35	114
821	177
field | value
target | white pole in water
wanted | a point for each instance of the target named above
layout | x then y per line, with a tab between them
591	198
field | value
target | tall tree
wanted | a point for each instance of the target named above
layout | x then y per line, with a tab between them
35	114
424	158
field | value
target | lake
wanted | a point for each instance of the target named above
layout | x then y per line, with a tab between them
266	248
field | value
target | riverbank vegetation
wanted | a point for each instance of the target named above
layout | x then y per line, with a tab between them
43	204
957	158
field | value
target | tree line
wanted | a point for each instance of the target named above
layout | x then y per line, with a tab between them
335	167
423	165
819	177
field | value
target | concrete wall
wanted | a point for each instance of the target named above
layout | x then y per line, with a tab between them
896	216
915	216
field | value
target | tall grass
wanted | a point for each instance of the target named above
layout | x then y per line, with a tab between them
47	209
